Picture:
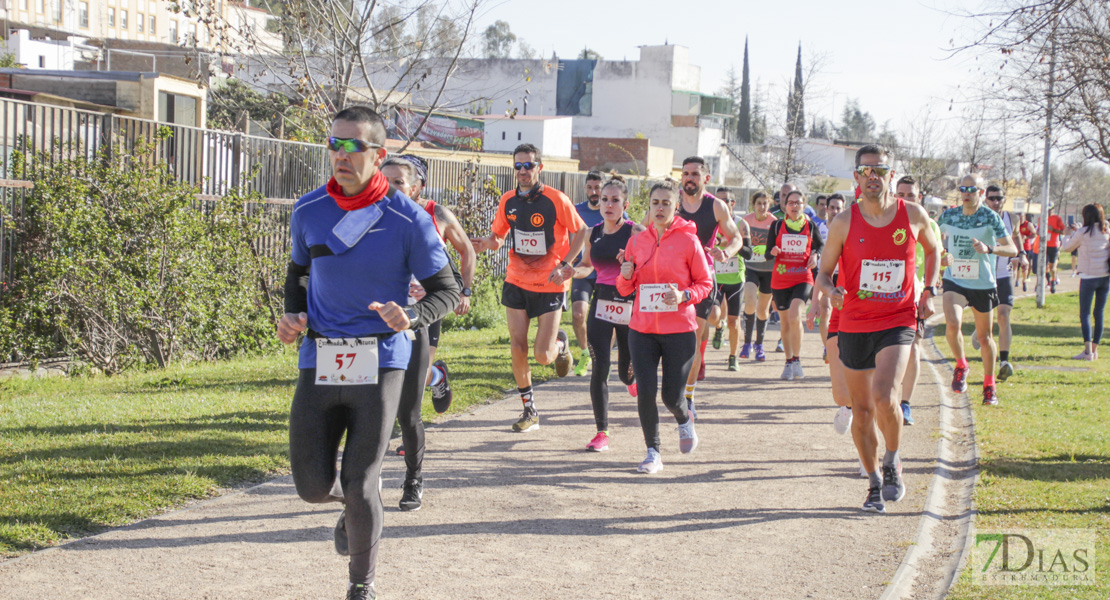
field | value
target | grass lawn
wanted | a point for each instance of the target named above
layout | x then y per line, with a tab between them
83	454
1045	449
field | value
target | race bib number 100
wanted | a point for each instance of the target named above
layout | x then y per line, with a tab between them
882	276
651	298
794	243
346	361
530	242
612	311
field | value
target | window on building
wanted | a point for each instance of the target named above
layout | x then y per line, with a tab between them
502	135
139	22
122	19
23	4
57	6
82	13
173	31
42	62
518	134
152	30
41	6
111	18
191	35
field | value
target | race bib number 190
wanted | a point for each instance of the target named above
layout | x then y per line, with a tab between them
612	311
346	361
882	276
651	298
530	242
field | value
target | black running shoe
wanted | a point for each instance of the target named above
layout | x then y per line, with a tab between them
361	592
341	547
893	486
414	493
441	392
874	502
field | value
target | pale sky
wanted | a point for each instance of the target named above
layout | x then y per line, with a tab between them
889	55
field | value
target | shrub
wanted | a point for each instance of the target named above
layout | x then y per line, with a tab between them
118	263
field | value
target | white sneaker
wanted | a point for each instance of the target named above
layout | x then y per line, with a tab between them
652	464
975	342
788	372
687	437
798	374
843	420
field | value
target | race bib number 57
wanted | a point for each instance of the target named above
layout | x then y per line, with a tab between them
346	361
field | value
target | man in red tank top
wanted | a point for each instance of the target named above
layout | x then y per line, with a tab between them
875	293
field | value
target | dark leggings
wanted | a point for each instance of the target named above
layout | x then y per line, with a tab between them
1093	288
676	350
599	334
317	421
408	412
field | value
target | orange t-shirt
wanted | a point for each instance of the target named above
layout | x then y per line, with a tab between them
537	228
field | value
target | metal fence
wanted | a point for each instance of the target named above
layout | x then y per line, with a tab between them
216	162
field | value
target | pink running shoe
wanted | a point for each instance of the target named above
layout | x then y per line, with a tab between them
632	390
600	443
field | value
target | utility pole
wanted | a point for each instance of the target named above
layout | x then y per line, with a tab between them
1043	225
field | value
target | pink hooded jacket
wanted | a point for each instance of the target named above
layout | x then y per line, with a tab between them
675	258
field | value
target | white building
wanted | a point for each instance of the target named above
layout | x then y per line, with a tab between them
655	97
53	55
552	135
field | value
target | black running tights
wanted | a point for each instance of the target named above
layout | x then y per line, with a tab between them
412	396
599	334
319	417
676	350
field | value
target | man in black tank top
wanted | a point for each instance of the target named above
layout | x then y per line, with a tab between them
711	215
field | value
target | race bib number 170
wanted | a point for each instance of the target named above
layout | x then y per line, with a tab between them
530	242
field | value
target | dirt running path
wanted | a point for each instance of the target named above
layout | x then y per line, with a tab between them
766	507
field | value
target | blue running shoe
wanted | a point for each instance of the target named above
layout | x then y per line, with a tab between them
746	351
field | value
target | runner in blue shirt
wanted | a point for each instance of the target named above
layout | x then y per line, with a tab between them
358	242
974	236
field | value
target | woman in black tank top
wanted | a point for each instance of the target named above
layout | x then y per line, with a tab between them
609	312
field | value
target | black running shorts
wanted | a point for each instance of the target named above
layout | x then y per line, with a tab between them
983	301
858	350
533	304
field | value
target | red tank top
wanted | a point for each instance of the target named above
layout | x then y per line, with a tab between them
431	208
792	263
878	266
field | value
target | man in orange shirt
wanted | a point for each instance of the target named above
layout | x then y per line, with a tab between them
545	235
1055	228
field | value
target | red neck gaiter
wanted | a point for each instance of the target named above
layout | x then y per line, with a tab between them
375	190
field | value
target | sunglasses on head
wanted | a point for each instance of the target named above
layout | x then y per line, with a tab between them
527	166
994	198
349	145
968	189
867	170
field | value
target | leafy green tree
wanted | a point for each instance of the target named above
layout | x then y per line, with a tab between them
498	40
744	118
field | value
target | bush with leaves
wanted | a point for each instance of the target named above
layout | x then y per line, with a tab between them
119	264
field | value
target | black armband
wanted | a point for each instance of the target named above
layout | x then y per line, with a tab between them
296	290
745	249
442	297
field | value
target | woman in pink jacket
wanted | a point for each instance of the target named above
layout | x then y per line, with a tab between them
665	267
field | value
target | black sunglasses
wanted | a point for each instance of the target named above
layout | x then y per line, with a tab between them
527	166
994	198
349	145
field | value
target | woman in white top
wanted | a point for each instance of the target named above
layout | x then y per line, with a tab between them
1093	243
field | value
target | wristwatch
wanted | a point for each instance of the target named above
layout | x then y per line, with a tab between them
931	289
413	317
467	291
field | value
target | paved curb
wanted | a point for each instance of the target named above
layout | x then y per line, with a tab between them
945	480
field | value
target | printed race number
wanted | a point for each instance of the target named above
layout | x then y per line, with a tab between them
530	242
882	276
612	311
346	361
964	268
794	243
651	298
729	267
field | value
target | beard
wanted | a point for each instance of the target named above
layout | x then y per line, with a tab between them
594	199
690	188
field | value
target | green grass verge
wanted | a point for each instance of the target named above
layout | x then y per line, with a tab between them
1045	449
79	455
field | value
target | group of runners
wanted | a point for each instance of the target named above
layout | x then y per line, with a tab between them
369	280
